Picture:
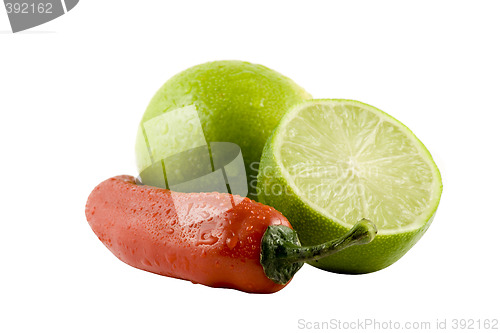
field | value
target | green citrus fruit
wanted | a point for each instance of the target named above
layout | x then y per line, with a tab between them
221	101
330	163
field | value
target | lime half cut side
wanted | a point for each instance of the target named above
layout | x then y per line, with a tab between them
331	163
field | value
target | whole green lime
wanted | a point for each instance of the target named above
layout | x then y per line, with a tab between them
220	101
331	163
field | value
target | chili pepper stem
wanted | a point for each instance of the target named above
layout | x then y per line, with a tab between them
282	254
362	233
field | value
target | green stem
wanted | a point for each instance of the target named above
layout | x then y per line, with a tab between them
362	233
282	254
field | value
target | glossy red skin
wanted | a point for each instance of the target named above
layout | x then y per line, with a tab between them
207	238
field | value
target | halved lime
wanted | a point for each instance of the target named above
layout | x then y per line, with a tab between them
330	163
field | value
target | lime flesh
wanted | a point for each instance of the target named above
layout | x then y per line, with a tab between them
331	163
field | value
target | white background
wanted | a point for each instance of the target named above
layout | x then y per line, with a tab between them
72	93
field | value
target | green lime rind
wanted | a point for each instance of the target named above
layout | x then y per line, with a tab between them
235	101
315	225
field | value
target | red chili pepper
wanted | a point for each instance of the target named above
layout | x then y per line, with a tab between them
215	239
